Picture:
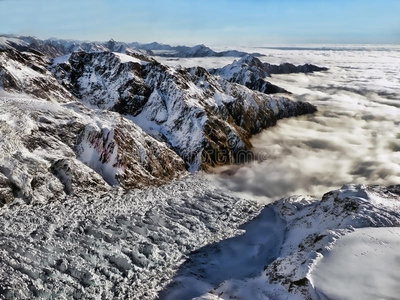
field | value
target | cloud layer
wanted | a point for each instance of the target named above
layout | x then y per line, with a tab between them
354	138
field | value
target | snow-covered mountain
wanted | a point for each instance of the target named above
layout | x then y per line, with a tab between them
186	52
251	72
288	68
27	73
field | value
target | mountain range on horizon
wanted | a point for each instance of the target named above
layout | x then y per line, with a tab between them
57	47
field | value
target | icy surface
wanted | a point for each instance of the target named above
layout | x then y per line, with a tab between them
235	258
364	264
128	58
130	245
117	246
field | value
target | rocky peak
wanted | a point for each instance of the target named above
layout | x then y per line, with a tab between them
26	72
252	62
111	44
251	72
287	68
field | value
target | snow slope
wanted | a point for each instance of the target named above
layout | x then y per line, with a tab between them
10	42
26	73
363	264
235	258
289	250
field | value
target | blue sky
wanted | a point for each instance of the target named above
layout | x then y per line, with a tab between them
212	22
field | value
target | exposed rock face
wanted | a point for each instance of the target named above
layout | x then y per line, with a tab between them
205	119
50	151
6	192
251	72
26	72
287	68
104	81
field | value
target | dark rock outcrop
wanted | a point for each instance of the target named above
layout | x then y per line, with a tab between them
287	68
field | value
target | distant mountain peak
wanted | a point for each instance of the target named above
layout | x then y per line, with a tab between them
251	72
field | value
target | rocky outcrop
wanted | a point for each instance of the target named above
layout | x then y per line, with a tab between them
6	192
251	72
104	81
287	68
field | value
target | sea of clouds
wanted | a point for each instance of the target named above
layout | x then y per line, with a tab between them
354	137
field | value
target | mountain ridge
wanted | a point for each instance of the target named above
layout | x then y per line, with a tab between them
159	121
251	72
58	47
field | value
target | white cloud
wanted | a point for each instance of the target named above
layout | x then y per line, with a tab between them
354	138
